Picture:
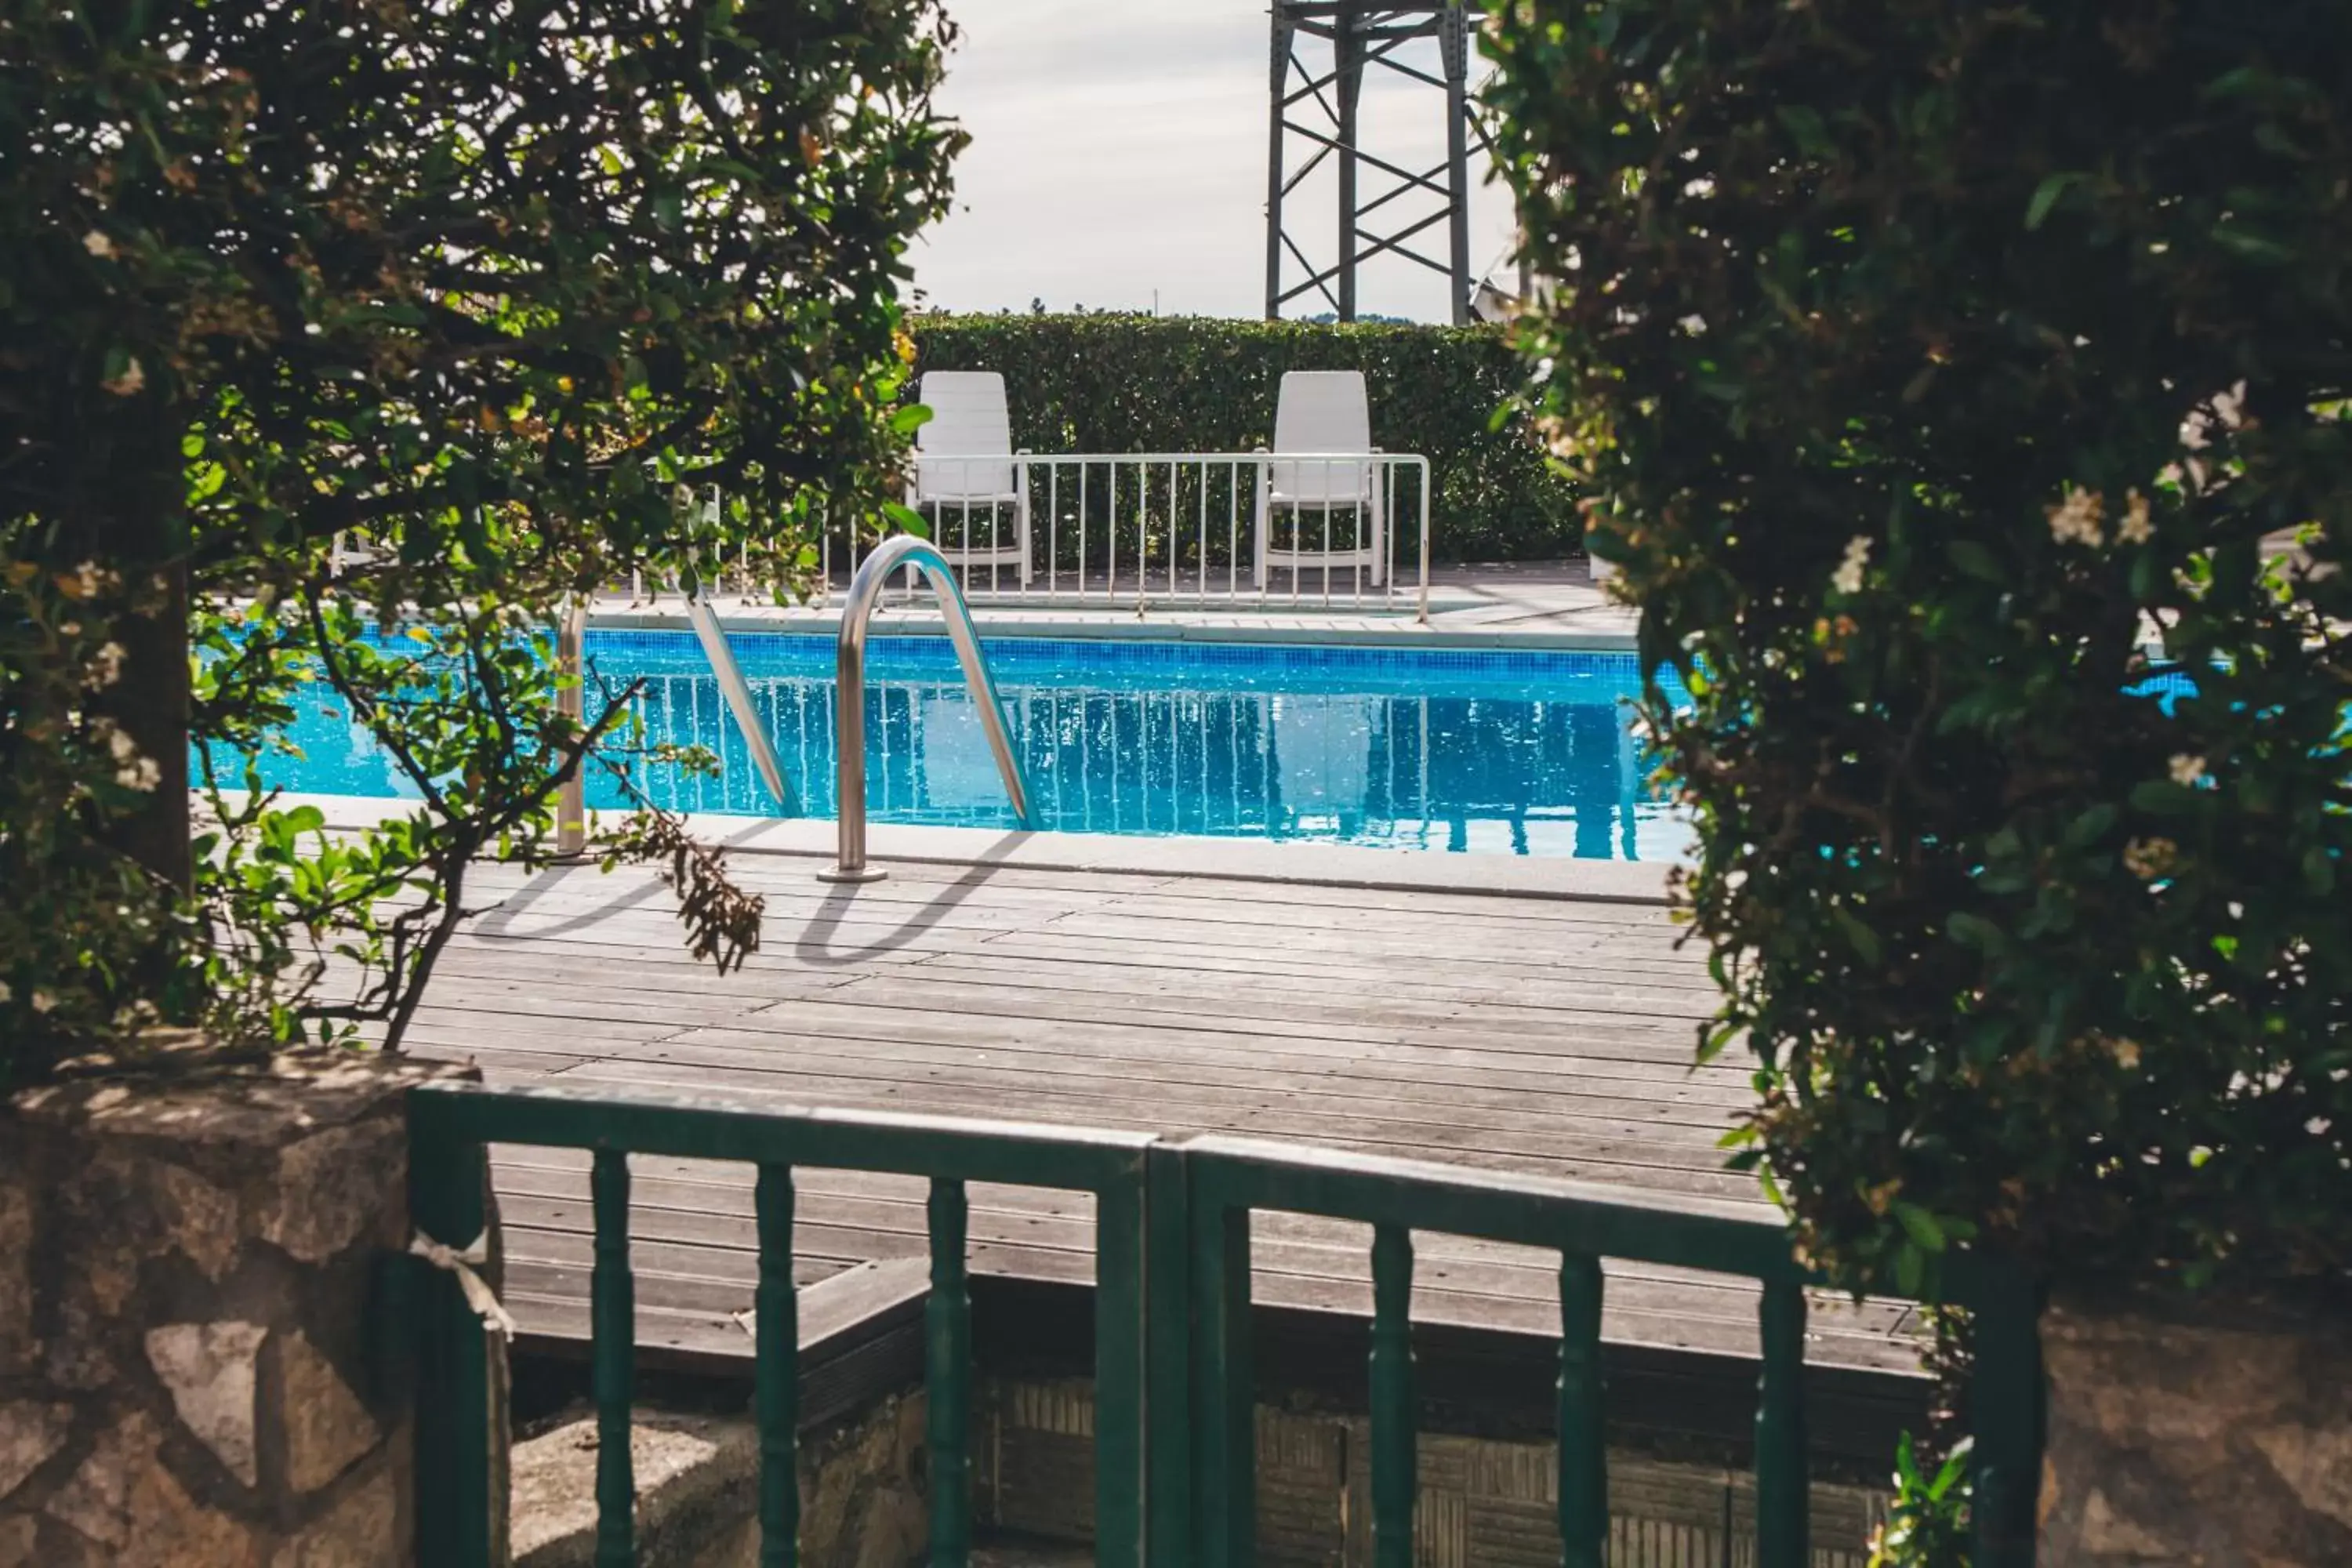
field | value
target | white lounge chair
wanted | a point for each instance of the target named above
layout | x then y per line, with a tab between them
964	463
1323	411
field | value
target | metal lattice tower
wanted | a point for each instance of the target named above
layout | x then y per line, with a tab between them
1319	108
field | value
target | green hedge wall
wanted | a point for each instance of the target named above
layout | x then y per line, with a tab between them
1114	383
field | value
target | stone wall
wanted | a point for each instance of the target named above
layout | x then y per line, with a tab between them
864	1502
189	1336
2218	1435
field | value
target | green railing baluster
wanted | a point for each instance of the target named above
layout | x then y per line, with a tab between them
1224	1393
777	1368
2005	1413
612	1332
453	1403
1118	1373
1782	1486
1175	1413
1395	1483
1583	1433
947	1378
1168	1320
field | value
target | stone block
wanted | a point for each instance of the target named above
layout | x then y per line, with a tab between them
2212	1433
861	1502
327	1427
17	1350
361	1528
327	1192
31	1430
125	1501
210	1371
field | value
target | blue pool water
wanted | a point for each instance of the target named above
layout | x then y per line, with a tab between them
1495	752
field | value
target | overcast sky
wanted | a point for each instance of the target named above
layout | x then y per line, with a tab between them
1119	147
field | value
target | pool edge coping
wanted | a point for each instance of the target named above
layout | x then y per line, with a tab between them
1406	634
1565	879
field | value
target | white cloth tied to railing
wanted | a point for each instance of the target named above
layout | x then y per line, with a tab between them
462	1262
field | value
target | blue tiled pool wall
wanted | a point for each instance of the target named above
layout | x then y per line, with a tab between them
1257	664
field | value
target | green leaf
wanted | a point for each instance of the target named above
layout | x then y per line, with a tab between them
1974	930
2091	825
1857	932
1806	128
2045	197
906	519
910	419
1910	1269
2162	797
1919	1225
1975	561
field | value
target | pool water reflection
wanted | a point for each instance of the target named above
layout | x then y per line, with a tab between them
1505	753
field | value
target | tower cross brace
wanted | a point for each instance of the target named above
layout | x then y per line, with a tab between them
1319	108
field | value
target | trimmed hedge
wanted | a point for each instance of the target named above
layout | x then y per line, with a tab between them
1114	383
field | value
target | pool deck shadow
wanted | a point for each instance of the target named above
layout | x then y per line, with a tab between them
1531	1029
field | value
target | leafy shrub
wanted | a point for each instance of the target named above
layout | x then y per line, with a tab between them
1117	383
1933	367
479	295
1928	1521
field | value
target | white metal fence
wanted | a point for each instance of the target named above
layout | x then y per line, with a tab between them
1180	528
1150	531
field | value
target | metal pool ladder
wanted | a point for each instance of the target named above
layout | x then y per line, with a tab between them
849	694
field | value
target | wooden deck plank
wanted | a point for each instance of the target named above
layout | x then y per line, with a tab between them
1341	952
1542	1036
1627	1105
1204	1003
910	1012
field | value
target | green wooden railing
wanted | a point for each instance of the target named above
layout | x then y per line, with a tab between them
1174	1424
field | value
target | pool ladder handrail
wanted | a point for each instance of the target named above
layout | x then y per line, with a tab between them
902	550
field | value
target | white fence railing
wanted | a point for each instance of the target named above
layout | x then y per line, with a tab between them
1145	530
1175	529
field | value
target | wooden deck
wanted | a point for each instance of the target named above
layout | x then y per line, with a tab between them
1539	1035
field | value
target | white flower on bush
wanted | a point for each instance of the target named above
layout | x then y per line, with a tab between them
1847	578
133	377
2076	520
131	771
2151	860
2136	527
105	667
42	1001
98	245
8	994
2228	412
2187	768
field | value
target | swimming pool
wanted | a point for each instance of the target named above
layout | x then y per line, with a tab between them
1466	751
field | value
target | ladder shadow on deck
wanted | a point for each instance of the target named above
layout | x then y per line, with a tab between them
813	946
